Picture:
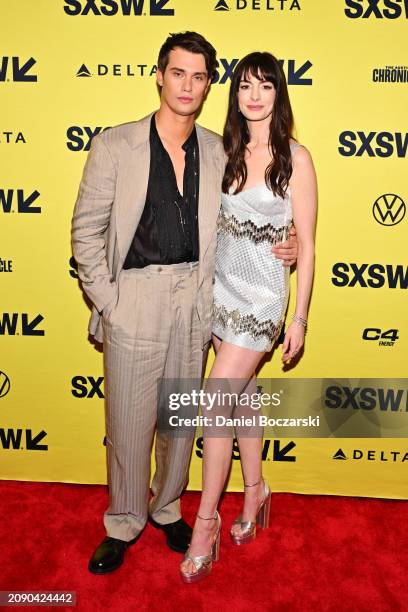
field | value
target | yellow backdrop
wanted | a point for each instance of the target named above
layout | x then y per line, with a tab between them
69	69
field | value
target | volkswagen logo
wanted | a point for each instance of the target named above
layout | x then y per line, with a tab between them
389	209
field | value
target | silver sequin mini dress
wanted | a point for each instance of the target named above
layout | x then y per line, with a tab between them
251	286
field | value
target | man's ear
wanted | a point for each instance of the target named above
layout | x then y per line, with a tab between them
159	78
208	85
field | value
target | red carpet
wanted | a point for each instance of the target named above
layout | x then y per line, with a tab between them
320	553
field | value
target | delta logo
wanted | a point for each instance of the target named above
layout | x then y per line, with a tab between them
357	454
117	70
257	5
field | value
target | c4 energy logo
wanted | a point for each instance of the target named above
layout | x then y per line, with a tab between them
373	275
388	337
389	209
13	439
23	202
80	137
4	384
17	70
28	325
373	144
376	9
257	5
125	8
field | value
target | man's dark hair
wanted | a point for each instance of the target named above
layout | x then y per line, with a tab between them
190	41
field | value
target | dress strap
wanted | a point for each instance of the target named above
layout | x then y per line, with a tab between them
294	146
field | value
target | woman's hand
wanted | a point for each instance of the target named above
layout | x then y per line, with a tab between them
287	251
294	340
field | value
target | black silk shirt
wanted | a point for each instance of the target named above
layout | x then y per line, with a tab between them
167	232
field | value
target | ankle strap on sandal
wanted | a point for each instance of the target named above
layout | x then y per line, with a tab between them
253	485
210	518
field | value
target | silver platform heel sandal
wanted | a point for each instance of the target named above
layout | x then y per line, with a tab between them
248	528
203	563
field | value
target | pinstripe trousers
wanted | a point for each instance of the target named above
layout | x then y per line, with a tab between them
151	332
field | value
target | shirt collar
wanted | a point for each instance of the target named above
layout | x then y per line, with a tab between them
187	146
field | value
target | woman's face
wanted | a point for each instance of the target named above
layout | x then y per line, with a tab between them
255	97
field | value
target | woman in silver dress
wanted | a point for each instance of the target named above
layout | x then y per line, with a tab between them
269	184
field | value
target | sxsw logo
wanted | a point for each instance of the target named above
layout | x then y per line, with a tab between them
23	202
378	9
389	209
4	384
277	453
373	144
80	137
366	398
257	5
370	275
87	386
372	455
295	72
28	326
13	439
114	7
17	70
73	267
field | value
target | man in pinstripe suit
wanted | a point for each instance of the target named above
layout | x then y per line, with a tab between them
144	238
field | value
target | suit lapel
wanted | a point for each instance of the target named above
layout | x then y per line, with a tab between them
132	184
209	194
133	177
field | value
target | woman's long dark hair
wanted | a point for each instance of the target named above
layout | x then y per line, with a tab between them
263	66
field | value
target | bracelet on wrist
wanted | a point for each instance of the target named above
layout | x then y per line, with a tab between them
300	320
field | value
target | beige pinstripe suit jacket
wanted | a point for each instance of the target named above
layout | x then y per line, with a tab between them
110	201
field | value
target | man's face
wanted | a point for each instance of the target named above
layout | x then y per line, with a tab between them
185	82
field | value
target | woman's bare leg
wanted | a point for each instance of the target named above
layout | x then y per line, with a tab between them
250	452
231	363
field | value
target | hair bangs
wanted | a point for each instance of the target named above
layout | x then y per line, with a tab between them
258	66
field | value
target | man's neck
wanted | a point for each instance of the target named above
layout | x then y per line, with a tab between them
173	128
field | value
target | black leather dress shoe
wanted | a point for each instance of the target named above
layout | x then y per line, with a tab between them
109	555
178	534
